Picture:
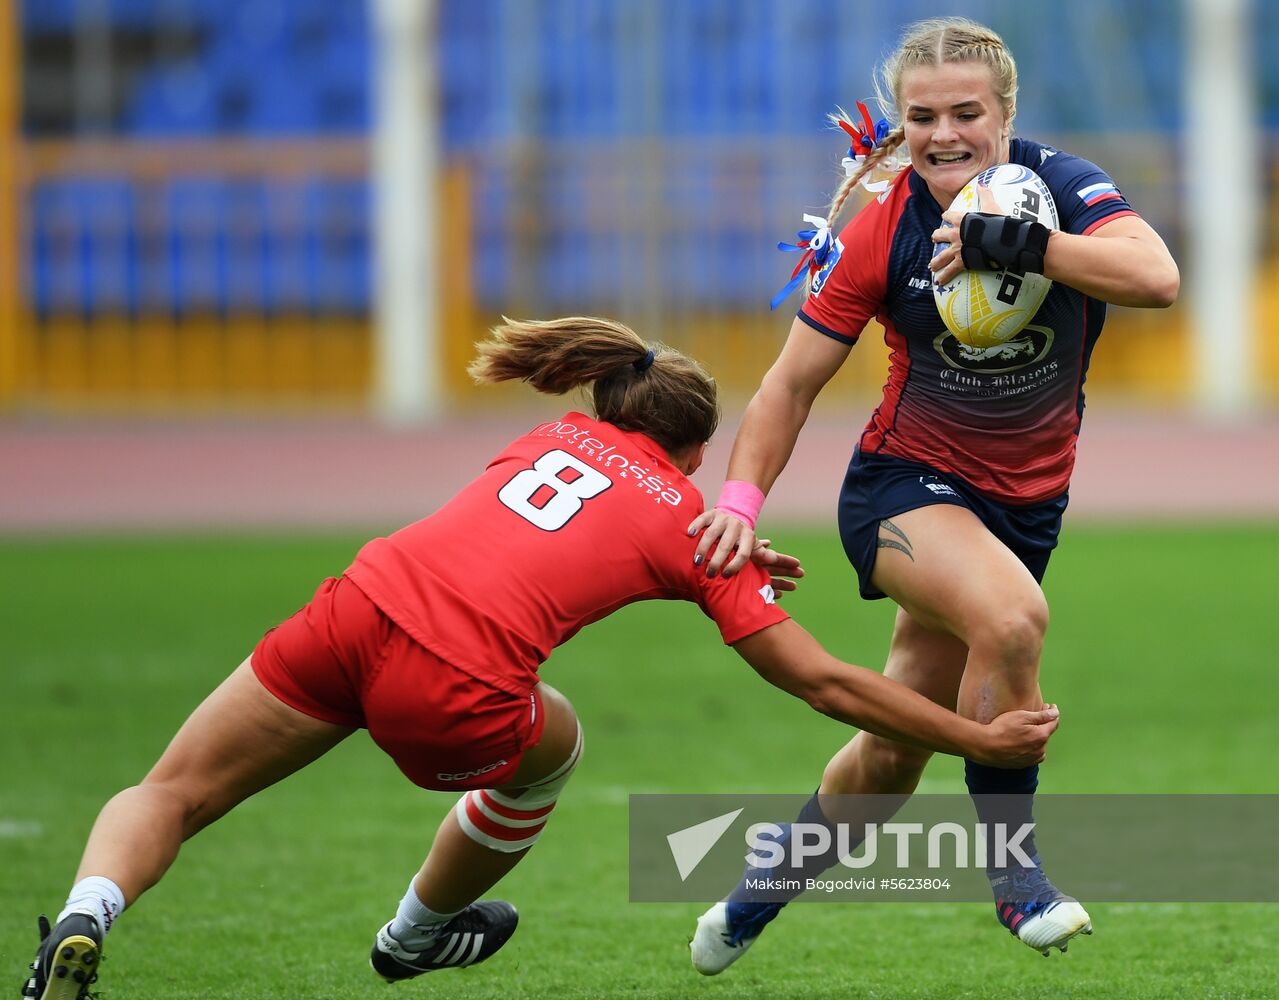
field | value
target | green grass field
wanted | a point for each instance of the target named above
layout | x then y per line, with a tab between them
1161	653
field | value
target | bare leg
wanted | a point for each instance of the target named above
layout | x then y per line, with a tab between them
240	740
968	636
963	581
950	574
457	871
927	661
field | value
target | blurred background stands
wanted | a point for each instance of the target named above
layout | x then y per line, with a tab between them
188	223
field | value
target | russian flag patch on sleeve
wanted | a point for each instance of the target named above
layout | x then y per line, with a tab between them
1096	193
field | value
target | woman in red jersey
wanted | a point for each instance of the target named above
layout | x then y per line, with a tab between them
433	637
954	496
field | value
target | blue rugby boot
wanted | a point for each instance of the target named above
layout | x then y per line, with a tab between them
1035	911
66	963
726	930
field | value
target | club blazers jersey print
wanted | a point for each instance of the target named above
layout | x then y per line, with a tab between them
1005	418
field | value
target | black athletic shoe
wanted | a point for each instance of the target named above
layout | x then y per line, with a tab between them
67	962
469	938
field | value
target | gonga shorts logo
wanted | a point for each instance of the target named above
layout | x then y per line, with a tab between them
1021	351
467	775
819	279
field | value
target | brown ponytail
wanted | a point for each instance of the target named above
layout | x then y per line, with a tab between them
671	398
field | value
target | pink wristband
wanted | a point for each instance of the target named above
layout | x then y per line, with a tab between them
741	499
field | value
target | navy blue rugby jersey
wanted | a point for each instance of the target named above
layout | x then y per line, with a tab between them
1005	419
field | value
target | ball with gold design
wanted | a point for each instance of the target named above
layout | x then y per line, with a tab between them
985	308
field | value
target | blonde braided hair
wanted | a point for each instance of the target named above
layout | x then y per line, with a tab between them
931	42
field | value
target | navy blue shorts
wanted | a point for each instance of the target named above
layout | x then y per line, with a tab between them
881	486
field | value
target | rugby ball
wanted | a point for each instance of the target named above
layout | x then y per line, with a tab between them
986	308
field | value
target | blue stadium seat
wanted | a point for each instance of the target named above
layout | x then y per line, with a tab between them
83	247
41	16
285	280
558	74
342	88
192	210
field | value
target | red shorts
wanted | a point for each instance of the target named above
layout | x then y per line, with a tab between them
341	660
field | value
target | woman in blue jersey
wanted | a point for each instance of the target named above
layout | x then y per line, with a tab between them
955	492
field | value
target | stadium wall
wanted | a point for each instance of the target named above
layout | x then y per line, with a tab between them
196	238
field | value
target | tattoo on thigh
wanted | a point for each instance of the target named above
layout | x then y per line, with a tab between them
893	543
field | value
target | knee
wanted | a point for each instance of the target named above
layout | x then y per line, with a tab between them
561	733
509	820
1014	635
543	793
895	761
191	806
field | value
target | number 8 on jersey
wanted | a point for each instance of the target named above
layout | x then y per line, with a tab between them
567	495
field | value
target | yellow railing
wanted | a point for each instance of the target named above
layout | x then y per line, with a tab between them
252	361
10	313
199	361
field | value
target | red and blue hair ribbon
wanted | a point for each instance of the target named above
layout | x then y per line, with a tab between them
864	135
815	244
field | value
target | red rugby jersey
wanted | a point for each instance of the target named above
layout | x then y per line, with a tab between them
571	522
1005	418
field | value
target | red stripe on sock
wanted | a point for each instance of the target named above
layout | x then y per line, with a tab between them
495	830
508	813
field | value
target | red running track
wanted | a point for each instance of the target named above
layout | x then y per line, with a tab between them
142	477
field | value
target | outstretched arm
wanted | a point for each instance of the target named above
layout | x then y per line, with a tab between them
766	438
787	656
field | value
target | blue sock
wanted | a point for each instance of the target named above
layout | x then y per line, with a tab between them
1013	807
813	866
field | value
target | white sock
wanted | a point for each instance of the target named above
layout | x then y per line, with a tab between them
97	896
415	923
